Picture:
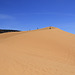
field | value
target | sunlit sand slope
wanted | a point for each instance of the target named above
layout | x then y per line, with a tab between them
47	51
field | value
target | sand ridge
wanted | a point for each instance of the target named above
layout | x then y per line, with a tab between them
47	51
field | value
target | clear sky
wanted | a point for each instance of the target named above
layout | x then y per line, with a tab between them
30	14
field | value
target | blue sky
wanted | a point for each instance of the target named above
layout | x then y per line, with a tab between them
30	14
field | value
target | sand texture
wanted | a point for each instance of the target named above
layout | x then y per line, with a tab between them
47	51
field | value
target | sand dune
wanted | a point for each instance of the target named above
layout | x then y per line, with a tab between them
47	51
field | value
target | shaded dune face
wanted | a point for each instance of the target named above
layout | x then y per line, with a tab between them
47	51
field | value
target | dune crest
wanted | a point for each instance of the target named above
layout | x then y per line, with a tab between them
49	27
46	51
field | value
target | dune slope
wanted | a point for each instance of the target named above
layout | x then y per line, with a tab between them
47	51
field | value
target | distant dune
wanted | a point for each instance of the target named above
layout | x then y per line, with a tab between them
46	51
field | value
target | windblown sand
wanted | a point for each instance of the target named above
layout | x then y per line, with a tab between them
38	52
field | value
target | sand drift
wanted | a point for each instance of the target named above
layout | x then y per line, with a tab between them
47	51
